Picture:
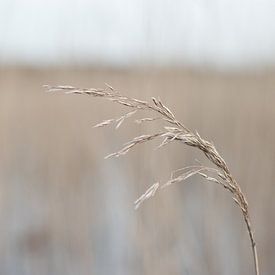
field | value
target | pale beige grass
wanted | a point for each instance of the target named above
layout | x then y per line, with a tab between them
176	131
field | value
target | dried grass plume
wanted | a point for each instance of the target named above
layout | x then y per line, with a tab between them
172	131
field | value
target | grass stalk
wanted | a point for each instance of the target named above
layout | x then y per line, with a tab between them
172	131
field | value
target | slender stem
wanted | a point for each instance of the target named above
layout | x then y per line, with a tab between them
253	244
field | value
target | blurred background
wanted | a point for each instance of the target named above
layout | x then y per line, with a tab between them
66	210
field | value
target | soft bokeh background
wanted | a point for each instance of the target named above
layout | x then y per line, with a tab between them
66	210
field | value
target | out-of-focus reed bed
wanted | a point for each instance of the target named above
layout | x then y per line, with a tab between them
66	210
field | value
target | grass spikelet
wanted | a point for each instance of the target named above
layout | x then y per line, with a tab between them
172	131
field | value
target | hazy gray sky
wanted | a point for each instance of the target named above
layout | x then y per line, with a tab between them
124	32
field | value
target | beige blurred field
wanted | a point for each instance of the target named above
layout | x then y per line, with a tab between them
66	210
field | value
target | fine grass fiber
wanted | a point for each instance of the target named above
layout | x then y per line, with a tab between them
171	130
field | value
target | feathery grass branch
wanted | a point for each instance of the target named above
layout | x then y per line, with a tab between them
175	132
